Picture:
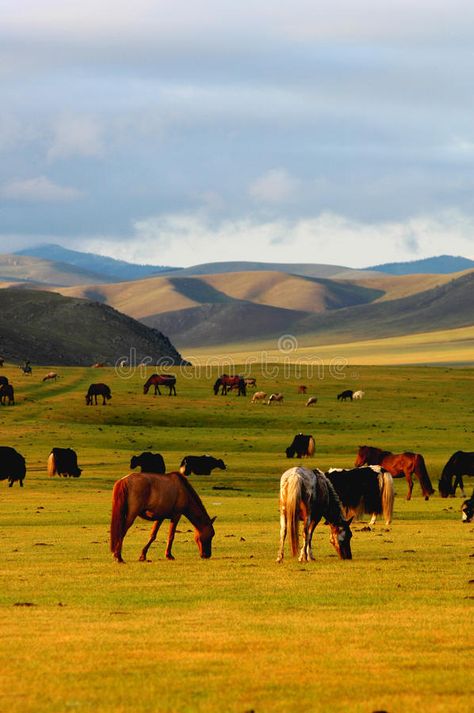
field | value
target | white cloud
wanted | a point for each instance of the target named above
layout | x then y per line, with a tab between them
189	239
38	190
76	136
276	186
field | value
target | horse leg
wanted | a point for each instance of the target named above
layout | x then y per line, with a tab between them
129	520
373	519
282	536
410	484
171	534
311	529
305	550
458	481
154	532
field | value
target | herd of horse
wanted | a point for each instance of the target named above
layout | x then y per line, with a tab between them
306	495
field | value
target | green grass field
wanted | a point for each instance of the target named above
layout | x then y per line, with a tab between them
390	630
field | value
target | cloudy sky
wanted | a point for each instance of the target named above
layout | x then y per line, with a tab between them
183	132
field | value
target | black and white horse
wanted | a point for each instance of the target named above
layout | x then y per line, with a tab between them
368	489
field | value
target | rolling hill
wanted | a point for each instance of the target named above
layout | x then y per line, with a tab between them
33	271
48	328
445	306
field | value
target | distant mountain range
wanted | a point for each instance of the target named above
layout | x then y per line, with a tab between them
111	270
440	265
231	302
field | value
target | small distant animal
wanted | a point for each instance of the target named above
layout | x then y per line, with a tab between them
277	398
7	392
399	465
250	381
96	390
358	395
301	446
149	462
364	490
98	365
26	368
63	461
12	466
459	464
302	389
312	400
467	509
51	376
226	383
309	496
259	396
2	361
344	395
200	465
158	380
165	497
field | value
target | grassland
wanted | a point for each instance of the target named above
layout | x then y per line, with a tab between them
390	630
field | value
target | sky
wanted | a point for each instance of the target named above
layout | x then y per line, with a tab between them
177	133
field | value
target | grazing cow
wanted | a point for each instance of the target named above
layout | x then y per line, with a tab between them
7	392
259	396
96	390
50	376
312	400
301	446
467	509
348	394
149	462
302	389
12	466
358	395
200	465
277	398
63	461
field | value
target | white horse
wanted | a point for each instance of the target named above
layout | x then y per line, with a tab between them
358	395
312	400
259	396
308	495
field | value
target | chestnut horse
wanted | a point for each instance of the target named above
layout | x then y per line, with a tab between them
309	496
156	498
158	380
399	465
227	383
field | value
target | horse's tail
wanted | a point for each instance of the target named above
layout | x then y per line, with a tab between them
51	465
292	512
119	513
423	477
311	446
387	494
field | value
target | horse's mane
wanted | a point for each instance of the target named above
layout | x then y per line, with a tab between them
334	511
187	486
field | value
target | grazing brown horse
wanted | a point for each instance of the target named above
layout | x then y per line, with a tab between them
96	390
158	380
226	383
399	465
50	376
158	497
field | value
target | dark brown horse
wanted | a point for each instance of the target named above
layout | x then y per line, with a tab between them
226	383
461	463
7	392
156	498
158	380
96	390
399	465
